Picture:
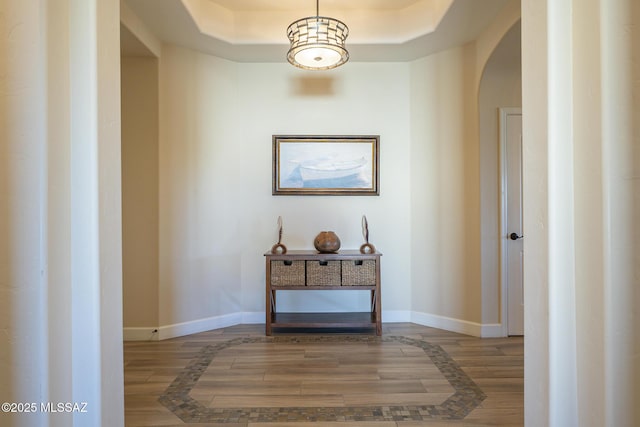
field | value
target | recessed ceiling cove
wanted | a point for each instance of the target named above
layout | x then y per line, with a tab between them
254	30
264	22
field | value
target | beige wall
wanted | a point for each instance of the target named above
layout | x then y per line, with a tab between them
200	275
582	258
217	215
60	228
444	193
139	88
360	99
455	208
23	304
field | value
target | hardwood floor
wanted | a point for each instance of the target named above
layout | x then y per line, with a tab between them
411	376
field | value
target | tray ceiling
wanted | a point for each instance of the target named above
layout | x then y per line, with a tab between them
255	30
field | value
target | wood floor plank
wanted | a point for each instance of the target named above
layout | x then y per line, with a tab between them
386	399
400	373
496	417
144	419
324	376
249	388
229	374
438	423
437	386
346	387
277	401
246	364
146	388
490	361
328	424
508	399
515	385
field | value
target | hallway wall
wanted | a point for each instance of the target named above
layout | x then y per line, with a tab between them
140	229
582	202
60	240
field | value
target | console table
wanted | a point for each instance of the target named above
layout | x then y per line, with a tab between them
310	270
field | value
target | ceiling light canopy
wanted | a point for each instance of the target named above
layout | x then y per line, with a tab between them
317	42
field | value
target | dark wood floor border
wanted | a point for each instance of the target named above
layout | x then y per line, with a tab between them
466	397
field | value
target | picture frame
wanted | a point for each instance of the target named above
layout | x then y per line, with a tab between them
326	165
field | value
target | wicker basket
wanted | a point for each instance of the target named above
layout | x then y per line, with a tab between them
359	273
287	273
323	273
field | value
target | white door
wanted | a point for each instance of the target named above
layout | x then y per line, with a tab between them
512	233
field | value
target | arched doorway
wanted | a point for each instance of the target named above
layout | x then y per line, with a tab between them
500	86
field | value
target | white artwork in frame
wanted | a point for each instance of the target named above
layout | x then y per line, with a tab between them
325	165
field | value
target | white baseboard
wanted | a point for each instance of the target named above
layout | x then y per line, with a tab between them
140	334
224	321
492	330
182	329
396	316
475	329
201	325
253	318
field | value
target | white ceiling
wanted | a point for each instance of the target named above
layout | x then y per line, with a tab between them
255	30
293	4
311	4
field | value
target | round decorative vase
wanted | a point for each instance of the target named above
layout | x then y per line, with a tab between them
327	242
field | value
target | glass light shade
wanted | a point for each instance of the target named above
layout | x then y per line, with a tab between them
317	43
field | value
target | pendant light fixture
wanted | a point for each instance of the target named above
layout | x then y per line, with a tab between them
317	42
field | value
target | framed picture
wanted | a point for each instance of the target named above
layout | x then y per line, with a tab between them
326	165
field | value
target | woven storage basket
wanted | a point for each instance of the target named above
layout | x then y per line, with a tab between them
287	273
323	273
359	273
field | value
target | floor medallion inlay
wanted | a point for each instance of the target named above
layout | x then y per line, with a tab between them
465	395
